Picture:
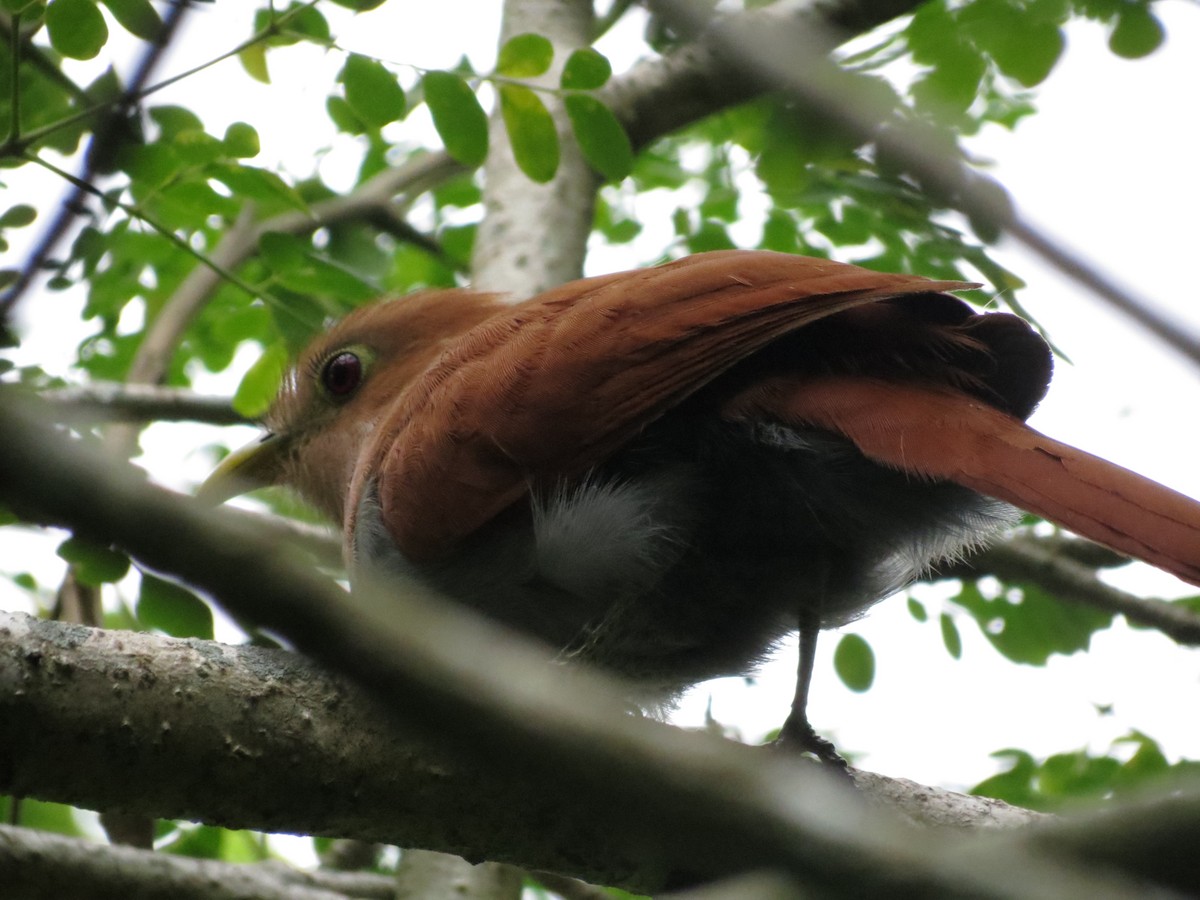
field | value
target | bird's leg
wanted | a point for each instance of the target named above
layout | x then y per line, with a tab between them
797	733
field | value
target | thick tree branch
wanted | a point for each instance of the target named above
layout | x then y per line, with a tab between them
674	806
153	707
534	236
702	77
37	865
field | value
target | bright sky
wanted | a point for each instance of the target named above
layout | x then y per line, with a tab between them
1108	165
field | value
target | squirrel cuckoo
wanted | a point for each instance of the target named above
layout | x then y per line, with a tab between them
663	471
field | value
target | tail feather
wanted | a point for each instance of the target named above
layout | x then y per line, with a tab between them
940	433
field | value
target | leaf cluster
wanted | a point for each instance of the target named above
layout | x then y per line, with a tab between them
168	195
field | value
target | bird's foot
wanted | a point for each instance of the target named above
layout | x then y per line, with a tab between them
799	736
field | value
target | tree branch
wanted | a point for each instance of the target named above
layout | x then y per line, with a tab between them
38	865
155	707
111	401
702	77
111	130
663	806
534	236
382	195
1026	558
1064	566
784	48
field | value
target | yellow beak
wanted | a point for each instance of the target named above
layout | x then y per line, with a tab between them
255	465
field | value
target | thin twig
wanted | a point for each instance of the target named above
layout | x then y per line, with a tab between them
110	401
386	193
1026	558
100	145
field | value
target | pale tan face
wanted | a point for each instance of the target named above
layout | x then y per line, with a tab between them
339	388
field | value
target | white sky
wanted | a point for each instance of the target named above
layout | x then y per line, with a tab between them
1108	164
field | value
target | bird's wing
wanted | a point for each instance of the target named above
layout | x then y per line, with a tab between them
937	432
555	385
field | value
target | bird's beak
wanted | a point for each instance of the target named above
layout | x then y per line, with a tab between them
255	465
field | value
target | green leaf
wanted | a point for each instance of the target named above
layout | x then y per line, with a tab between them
1147	762
1016	784
1025	47
854	661
459	242
281	251
261	382
780	233
254	61
524	56
1138	32
197	148
308	23
138	17
853	227
1028	625
258	184
531	132
711	235
459	119
586	70
460	192
198	841
43	816
930	30
175	121
953	83
76	28
18	216
360	5
916	609
298	268
604	143
616	226
173	610
191	205
241	141
343	116
94	564
950	637
1077	774
372	91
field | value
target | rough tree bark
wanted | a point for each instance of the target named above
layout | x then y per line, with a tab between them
534	236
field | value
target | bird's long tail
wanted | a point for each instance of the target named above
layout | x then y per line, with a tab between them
941	433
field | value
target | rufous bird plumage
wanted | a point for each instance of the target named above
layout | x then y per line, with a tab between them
663	471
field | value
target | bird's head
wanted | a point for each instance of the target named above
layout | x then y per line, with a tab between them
340	386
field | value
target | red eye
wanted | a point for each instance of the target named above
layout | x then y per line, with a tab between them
342	374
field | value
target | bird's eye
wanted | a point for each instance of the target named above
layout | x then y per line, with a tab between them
342	374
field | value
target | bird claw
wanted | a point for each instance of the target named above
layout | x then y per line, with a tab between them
800	737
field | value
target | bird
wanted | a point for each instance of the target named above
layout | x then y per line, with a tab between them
662	472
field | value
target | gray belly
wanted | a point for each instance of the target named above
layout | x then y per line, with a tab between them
691	553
